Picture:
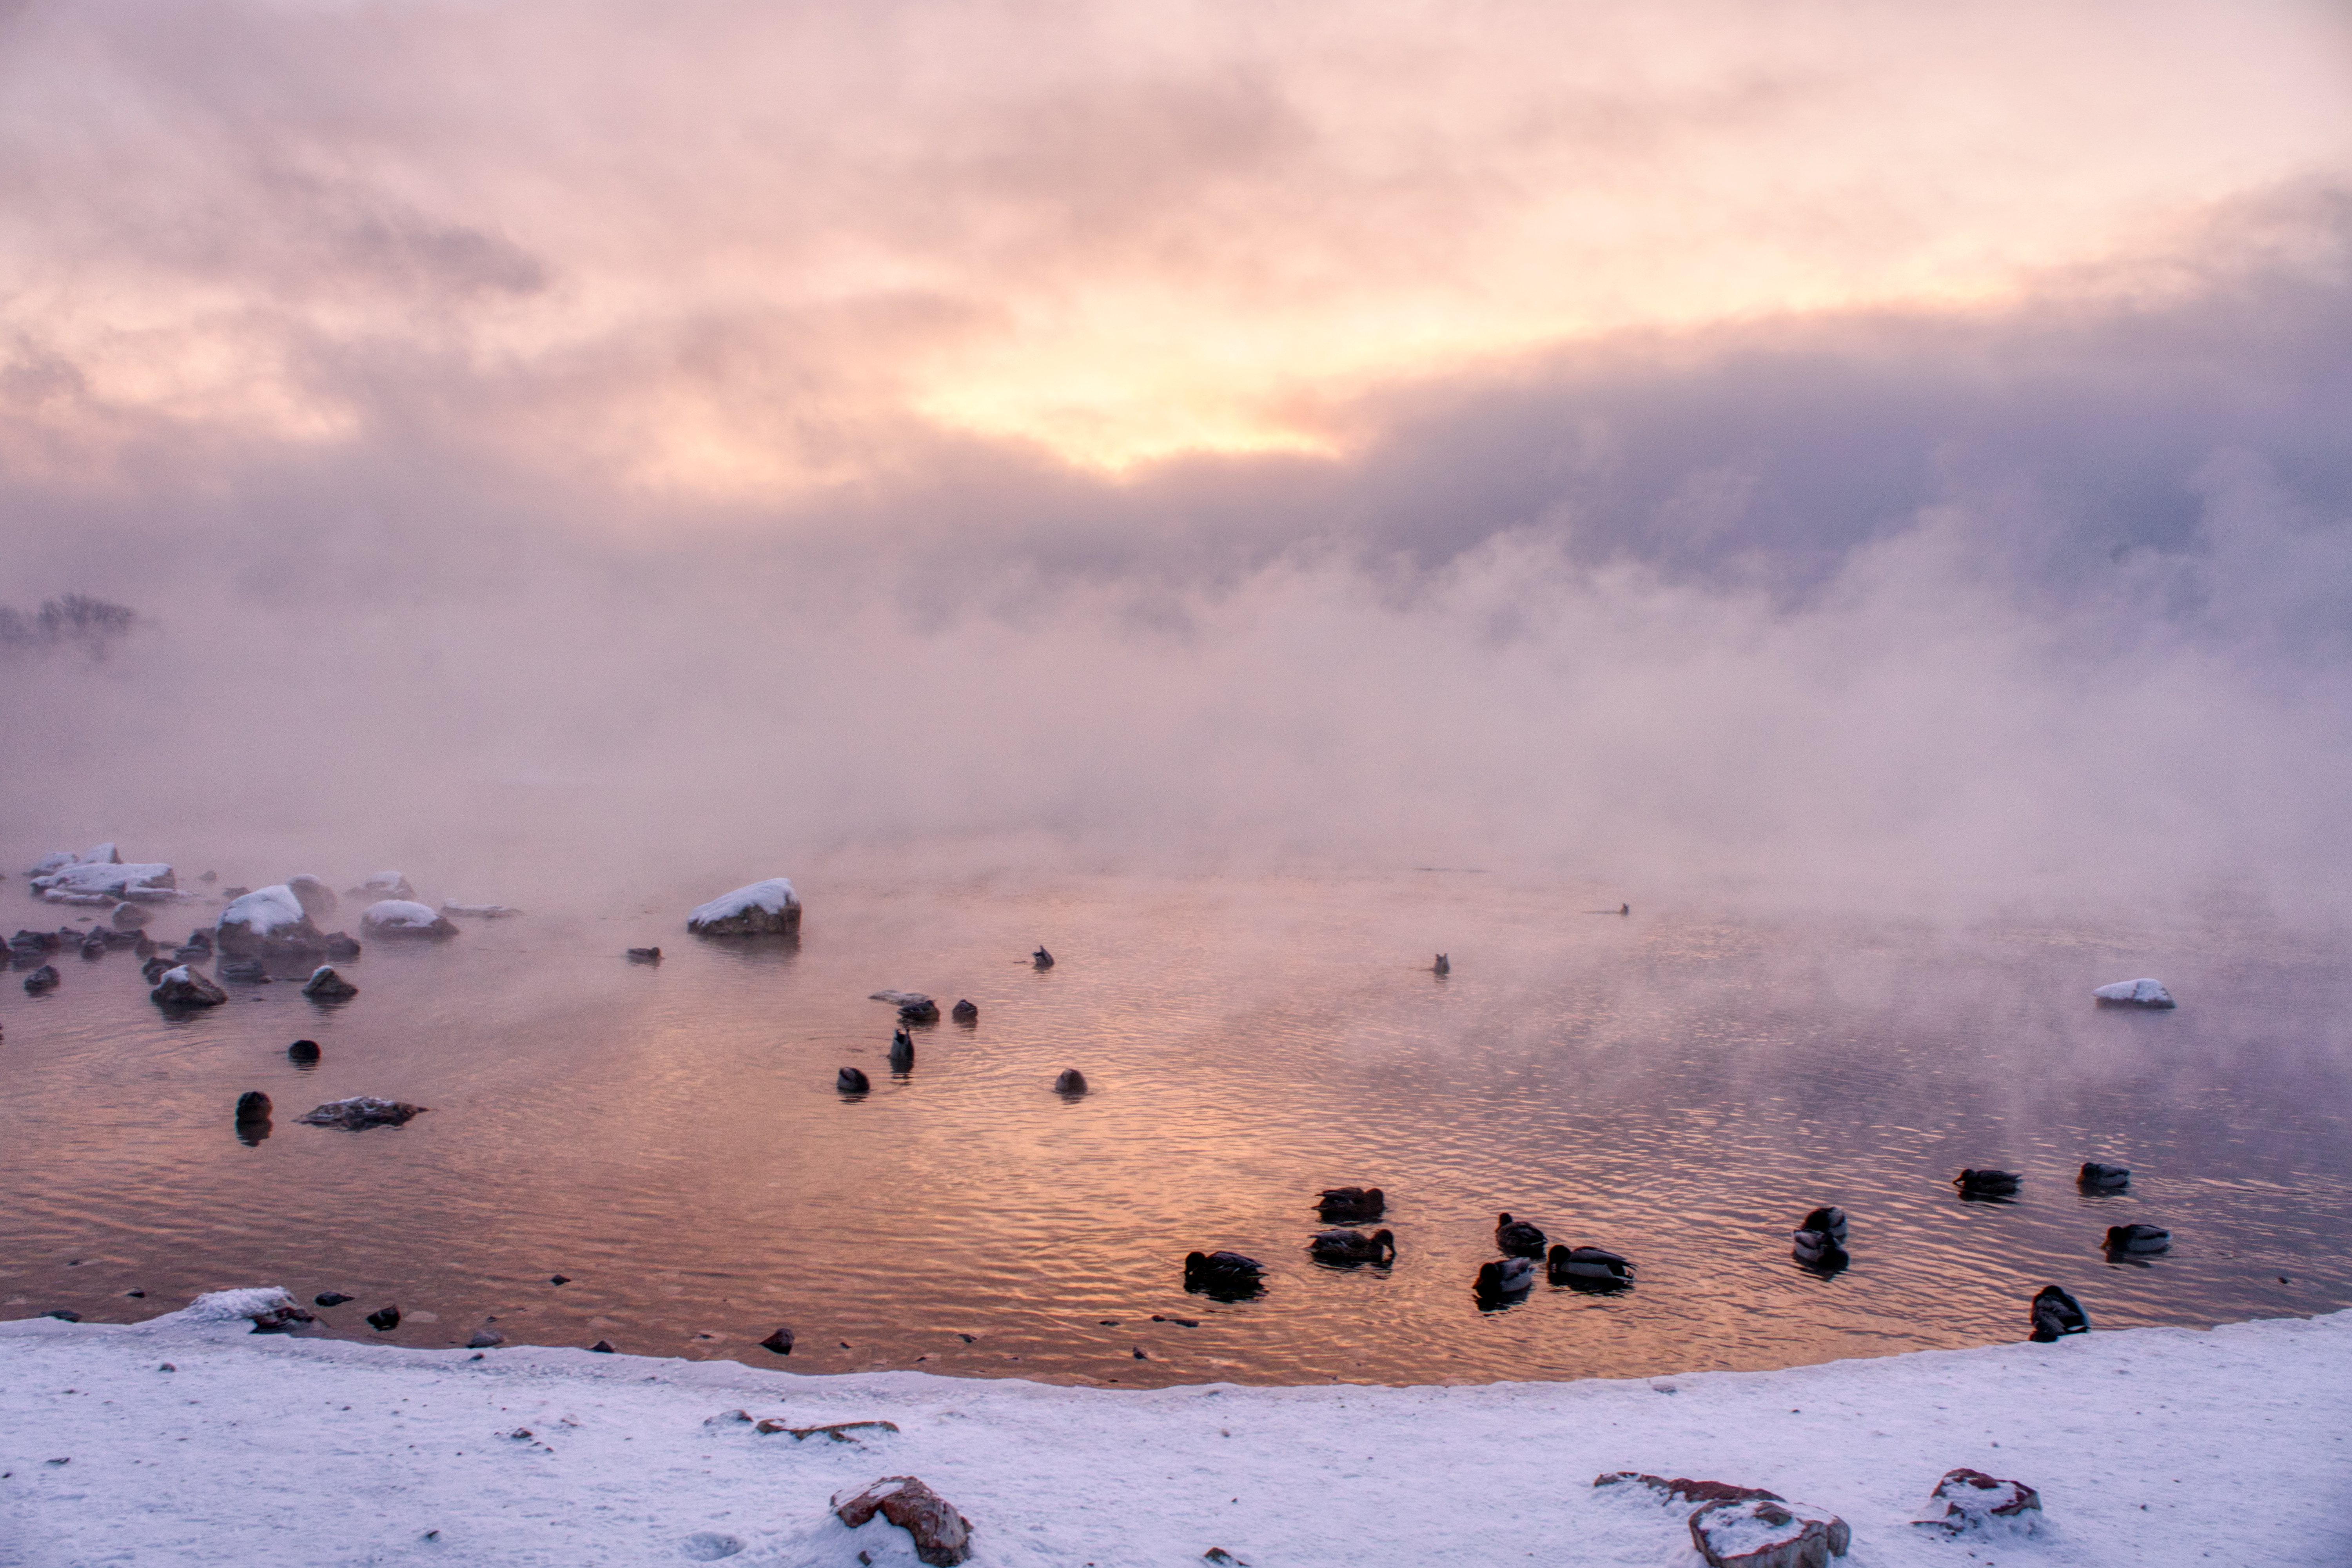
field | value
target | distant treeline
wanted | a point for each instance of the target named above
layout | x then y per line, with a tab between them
76	620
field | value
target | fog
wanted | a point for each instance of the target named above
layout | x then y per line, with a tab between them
480	546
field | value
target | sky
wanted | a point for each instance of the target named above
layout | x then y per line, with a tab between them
1867	451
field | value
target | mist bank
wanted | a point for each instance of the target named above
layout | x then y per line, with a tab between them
2050	604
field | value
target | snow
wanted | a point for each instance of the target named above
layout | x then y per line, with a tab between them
265	910
2153	1448
399	913
101	876
2146	993
179	976
226	1306
775	895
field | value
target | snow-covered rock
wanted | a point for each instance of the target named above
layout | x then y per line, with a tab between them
316	898
762	909
1968	1500
56	860
183	987
402	918
2134	993
326	986
1764	1532
942	1536
104	881
384	885
264	917
266	1307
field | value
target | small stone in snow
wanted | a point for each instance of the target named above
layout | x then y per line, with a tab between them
1969	1500
1220	1556
942	1536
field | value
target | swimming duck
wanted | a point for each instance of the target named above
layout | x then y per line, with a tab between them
1351	1203
1042	959
1820	1240
851	1080
1988	1183
2139	1238
2103	1178
1517	1237
965	1013
902	1051
1223	1274
1071	1081
1507	1277
1829	1222
1593	1263
1443	966
1353	1246
2057	1313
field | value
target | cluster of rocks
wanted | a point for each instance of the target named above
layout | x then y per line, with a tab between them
1747	1526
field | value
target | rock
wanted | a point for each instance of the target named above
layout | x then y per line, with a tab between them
339	944
332	1299
129	915
200	938
183	987
484	1339
1685	1491
559	1279
603	1347
209	877
2056	1314
1967	1500
303	1050
645	955
104	881
762	909
2135	993
401	920
46	978
271	921
383	1320
382	885
1222	1558
93	946
481	911
116	939
326	986
315	897
942	1536
780	1341
63	1314
1071	1081
838	1431
155	968
965	1013
1766	1532
362	1111
253	1106
850	1080
267	1307
232	894
251	969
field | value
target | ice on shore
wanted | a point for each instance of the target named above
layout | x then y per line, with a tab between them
762	907
2156	1448
2135	993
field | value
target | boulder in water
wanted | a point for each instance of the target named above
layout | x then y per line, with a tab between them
326	986
316	898
362	1112
183	987
762	909
645	955
481	911
45	978
253	1106
382	885
383	1320
339	944
303	1051
2135	993
268	921
1071	1081
400	919
103	881
129	915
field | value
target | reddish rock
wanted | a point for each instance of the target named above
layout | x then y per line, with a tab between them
1686	1491
1970	1500
1764	1532
942	1536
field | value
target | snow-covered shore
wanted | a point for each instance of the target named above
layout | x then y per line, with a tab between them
2150	1447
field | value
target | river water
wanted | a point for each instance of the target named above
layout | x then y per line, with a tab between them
1679	1085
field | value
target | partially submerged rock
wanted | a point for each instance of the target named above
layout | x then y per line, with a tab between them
326	986
382	885
253	1106
268	921
1967	1500
645	955
400	919
128	916
268	1308
316	898
1767	1532
762	909
942	1536
183	987
780	1341
361	1111
1071	1081
2135	993
481	911
383	1320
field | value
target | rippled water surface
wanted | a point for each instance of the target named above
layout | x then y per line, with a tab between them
1678	1086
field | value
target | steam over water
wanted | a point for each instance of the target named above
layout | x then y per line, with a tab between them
1680	1085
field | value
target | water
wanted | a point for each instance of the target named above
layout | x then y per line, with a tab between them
1678	1086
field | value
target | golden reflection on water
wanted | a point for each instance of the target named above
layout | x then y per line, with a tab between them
1676	1086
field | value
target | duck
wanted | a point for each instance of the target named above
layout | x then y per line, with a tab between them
1505	1277
1988	1183
1820	1240
1222	1273
1517	1237
2102	1178
965	1013
1353	1246
851	1080
1071	1081
1587	1263
2139	1238
1829	1221
1041	958
1351	1203
1444	965
902	1051
2057	1314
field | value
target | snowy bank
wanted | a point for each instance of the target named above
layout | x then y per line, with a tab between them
2149	1447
